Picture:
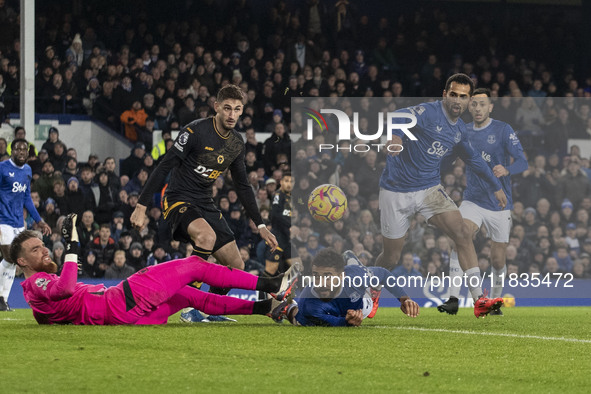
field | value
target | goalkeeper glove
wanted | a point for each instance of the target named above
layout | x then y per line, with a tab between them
70	234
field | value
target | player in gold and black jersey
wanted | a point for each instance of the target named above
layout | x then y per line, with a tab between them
280	226
203	150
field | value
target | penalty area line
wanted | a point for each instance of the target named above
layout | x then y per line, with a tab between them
492	334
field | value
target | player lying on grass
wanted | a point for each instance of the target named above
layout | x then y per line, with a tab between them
149	296
346	304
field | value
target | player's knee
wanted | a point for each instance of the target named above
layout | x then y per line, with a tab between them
497	260
205	240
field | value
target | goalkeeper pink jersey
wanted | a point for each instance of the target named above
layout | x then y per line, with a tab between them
60	299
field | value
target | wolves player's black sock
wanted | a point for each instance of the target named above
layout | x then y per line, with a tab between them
269	285
203	253
262	294
219	290
262	307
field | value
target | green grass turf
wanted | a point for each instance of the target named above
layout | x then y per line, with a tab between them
255	354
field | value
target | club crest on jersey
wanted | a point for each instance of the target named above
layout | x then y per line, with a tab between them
220	159
355	296
491	139
458	137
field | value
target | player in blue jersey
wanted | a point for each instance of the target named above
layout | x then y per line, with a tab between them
341	294
15	194
497	143
410	182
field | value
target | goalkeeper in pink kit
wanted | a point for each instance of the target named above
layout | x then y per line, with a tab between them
148	297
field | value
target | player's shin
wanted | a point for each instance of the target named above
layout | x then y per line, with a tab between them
266	274
473	281
455	275
496	289
262	307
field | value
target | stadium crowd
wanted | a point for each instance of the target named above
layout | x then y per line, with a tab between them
138	69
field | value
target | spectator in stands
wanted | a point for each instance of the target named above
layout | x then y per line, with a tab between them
75	199
50	214
59	196
253	145
119	269
124	95
158	256
160	149
135	259
87	184
87	229
44	185
251	265
131	165
52	138
146	133
406	267
134	119
57	254
104	248
136	184
104	108
188	112
59	156
574	184
71	168
108	199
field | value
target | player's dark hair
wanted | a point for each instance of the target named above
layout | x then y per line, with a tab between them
286	173
461	79
485	91
16	247
230	92
17	141
329	258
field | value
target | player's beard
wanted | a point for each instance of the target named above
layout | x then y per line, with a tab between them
18	161
454	110
228	127
50	267
222	124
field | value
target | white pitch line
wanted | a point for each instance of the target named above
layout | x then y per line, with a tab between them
493	334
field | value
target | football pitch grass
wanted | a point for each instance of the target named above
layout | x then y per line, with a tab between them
527	350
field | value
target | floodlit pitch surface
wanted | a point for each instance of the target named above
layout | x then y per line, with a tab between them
527	350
